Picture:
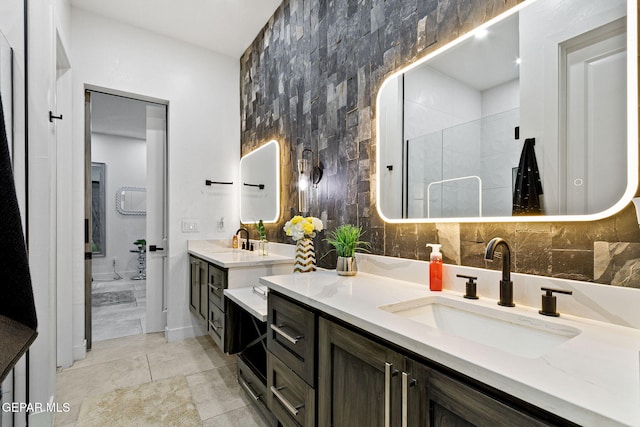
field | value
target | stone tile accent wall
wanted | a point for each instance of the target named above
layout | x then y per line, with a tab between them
310	80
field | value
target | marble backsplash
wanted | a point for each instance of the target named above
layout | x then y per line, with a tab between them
617	263
310	80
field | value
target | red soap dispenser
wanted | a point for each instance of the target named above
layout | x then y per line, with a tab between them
435	268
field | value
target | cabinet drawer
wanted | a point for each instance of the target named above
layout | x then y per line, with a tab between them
290	399
216	325
255	389
291	336
217	283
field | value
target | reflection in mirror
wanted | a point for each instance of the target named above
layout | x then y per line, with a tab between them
533	116
260	184
131	201
98	209
6	88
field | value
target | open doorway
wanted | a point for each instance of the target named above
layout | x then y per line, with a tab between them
125	221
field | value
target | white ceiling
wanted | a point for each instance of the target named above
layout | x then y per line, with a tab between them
485	63
224	26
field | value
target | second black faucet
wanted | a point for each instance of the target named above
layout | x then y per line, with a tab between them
506	285
244	245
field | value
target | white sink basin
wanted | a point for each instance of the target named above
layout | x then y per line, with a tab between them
514	333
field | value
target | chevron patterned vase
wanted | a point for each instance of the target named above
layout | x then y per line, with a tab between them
305	260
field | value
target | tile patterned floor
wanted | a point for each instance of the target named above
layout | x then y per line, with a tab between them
114	317
130	361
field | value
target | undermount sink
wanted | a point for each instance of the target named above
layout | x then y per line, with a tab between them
513	333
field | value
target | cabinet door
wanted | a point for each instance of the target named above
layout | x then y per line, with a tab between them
194	291
453	403
359	380
203	306
414	391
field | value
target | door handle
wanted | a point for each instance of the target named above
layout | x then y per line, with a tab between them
389	372
153	248
406	383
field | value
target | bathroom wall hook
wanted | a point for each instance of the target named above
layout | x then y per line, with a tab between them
51	117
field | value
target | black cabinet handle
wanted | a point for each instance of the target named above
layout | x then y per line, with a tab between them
153	248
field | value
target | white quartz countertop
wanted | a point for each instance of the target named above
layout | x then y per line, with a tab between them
591	379
251	298
231	258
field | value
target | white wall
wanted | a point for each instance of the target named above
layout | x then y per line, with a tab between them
202	91
500	150
501	98
44	20
466	146
126	165
434	101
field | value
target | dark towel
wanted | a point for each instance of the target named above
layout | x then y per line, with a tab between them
528	188
16	294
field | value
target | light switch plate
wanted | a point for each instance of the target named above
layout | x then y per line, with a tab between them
190	225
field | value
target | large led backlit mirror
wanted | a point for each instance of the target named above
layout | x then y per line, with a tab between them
260	184
531	117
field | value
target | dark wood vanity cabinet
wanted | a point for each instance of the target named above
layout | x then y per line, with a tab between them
356	379
437	399
206	298
198	300
362	382
291	361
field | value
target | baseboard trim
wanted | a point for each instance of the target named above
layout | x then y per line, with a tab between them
182	333
79	352
108	276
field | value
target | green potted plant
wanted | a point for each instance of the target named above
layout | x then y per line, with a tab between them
346	242
263	244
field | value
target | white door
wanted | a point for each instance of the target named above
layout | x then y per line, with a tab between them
157	249
596	132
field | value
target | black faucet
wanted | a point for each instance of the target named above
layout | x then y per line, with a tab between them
506	285
246	245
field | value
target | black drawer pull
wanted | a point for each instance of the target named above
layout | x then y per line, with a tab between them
288	406
279	331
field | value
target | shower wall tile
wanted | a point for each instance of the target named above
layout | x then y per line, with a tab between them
310	80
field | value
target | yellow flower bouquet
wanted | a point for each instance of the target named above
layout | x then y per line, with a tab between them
300	227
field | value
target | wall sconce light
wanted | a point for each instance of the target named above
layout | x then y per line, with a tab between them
308	174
